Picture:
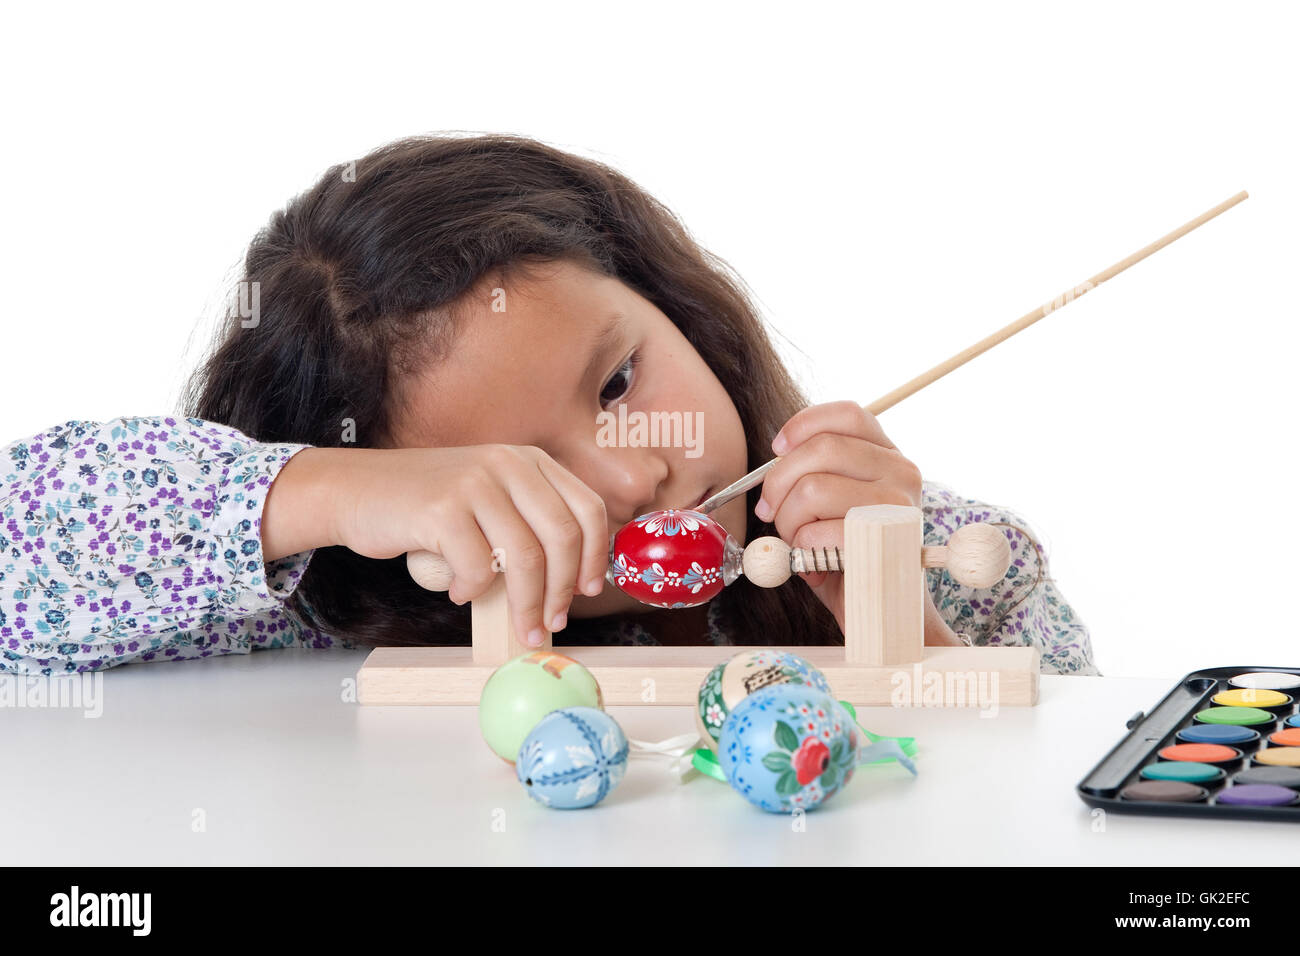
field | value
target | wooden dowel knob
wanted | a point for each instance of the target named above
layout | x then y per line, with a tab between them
977	555
430	571
767	562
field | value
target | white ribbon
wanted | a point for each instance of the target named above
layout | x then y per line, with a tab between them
682	748
883	749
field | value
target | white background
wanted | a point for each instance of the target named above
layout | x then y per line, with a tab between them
894	182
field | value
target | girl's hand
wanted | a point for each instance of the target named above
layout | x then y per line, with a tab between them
834	457
549	527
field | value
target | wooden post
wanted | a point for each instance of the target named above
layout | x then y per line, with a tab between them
494	639
884	587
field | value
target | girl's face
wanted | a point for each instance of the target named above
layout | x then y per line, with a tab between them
538	362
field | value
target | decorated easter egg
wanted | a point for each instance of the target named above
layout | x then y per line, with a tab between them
739	676
788	747
673	558
573	758
524	690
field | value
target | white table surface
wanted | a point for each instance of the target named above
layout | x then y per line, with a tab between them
286	772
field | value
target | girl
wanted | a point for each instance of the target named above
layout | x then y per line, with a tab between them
425	342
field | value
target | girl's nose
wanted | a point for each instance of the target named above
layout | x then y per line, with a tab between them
629	480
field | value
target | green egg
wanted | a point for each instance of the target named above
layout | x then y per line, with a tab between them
524	690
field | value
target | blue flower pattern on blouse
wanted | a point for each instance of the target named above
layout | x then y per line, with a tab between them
139	539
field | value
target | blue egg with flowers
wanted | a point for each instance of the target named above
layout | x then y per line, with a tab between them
788	747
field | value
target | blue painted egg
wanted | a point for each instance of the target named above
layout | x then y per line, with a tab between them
787	747
573	758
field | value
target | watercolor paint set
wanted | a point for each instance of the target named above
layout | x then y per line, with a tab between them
1225	742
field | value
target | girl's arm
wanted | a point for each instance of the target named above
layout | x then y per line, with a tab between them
1026	608
138	539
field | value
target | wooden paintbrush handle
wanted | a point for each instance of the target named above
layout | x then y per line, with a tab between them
891	399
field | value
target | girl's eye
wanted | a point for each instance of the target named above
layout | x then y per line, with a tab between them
621	382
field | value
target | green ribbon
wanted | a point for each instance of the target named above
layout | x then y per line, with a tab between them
706	761
907	743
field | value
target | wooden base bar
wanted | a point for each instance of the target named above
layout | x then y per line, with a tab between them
944	677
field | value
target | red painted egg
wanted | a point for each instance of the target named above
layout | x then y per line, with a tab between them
673	558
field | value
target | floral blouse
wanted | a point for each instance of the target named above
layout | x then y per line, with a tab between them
139	539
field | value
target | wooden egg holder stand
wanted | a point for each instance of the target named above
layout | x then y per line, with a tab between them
884	660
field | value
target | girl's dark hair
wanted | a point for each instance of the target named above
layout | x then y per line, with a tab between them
358	281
